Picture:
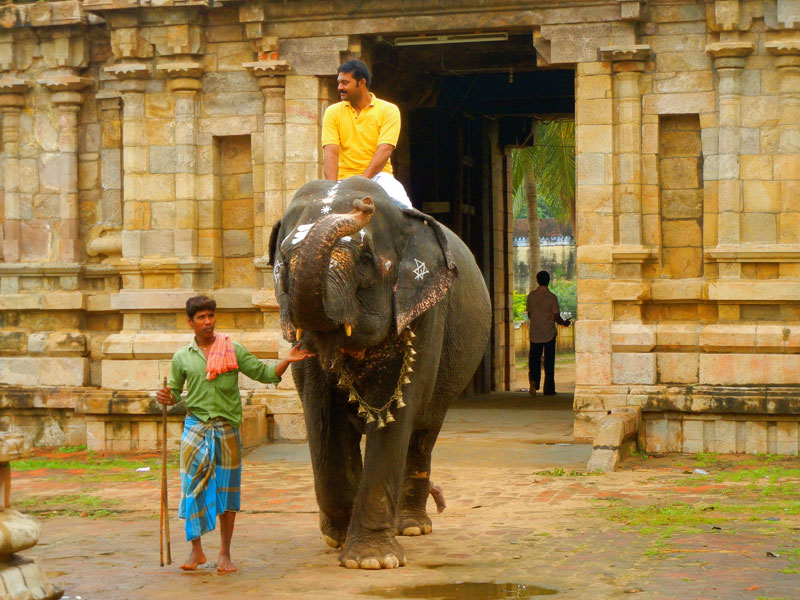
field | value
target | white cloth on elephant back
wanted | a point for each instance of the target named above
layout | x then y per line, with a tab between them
393	188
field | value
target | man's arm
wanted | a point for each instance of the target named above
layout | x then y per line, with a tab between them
255	369
557	313
382	154
171	394
330	161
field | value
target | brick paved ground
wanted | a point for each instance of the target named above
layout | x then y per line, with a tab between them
584	536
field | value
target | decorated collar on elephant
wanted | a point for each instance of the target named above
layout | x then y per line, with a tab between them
383	414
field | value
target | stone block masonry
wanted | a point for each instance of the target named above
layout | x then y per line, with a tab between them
147	151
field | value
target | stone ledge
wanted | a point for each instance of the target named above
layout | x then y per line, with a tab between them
615	438
772	401
754	291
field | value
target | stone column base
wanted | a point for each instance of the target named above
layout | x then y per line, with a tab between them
21	579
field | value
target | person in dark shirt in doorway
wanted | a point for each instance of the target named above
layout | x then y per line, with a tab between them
543	313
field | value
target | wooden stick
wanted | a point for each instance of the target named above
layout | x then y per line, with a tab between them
164	495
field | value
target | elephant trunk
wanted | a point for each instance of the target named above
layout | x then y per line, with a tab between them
311	263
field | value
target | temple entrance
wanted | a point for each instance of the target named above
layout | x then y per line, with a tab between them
465	107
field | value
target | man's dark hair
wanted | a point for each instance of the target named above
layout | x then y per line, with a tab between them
357	69
197	303
543	278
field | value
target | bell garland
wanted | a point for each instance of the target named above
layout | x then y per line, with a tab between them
383	415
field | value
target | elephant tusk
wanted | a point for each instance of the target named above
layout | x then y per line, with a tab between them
348	329
299	334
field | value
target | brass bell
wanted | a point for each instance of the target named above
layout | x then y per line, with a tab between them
406	381
411	334
381	424
400	403
370	418
389	417
362	412
412	352
352	398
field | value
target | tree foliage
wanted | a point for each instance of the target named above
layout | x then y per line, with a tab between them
550	160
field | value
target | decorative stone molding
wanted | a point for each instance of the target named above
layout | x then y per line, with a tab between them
268	68
579	42
181	69
632	10
128	70
783	47
785	253
9	86
636	53
66	83
633	254
183	76
730	49
106	240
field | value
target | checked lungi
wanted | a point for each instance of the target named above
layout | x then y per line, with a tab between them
211	473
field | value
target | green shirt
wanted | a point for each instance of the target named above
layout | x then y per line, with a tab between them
220	396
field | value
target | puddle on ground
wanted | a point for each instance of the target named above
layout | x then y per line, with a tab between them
467	590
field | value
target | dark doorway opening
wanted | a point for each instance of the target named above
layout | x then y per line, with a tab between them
464	107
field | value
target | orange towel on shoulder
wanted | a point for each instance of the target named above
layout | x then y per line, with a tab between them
221	357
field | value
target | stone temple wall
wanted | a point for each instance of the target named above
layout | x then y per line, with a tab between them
147	148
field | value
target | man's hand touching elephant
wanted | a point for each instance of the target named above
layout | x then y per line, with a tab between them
296	354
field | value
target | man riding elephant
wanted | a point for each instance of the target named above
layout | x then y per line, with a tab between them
360	133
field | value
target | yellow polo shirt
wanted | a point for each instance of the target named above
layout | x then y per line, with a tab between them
358	136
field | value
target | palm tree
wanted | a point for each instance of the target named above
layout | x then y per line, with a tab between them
544	173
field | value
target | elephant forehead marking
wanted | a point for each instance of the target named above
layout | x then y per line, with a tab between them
301	232
325	210
331	193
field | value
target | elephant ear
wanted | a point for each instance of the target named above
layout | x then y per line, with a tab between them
279	276
426	269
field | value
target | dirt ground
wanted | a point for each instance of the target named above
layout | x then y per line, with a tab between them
523	519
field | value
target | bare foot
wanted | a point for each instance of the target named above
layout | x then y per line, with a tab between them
438	497
196	558
532	391
225	564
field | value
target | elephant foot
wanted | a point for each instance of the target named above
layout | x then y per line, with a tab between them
333	532
373	553
413	524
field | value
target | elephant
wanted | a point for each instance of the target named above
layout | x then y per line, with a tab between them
397	312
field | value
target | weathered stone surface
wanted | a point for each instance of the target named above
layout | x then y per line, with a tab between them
633	368
18	532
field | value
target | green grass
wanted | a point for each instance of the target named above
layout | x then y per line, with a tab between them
705	459
72	505
662	519
72	449
92	463
560	472
93	468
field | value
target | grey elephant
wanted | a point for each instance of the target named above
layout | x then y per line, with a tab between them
398	314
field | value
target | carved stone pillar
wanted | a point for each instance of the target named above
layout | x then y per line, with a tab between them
628	63
132	86
729	60
184	83
272	81
788	63
12	100
67	99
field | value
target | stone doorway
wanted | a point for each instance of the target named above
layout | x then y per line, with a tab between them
464	107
